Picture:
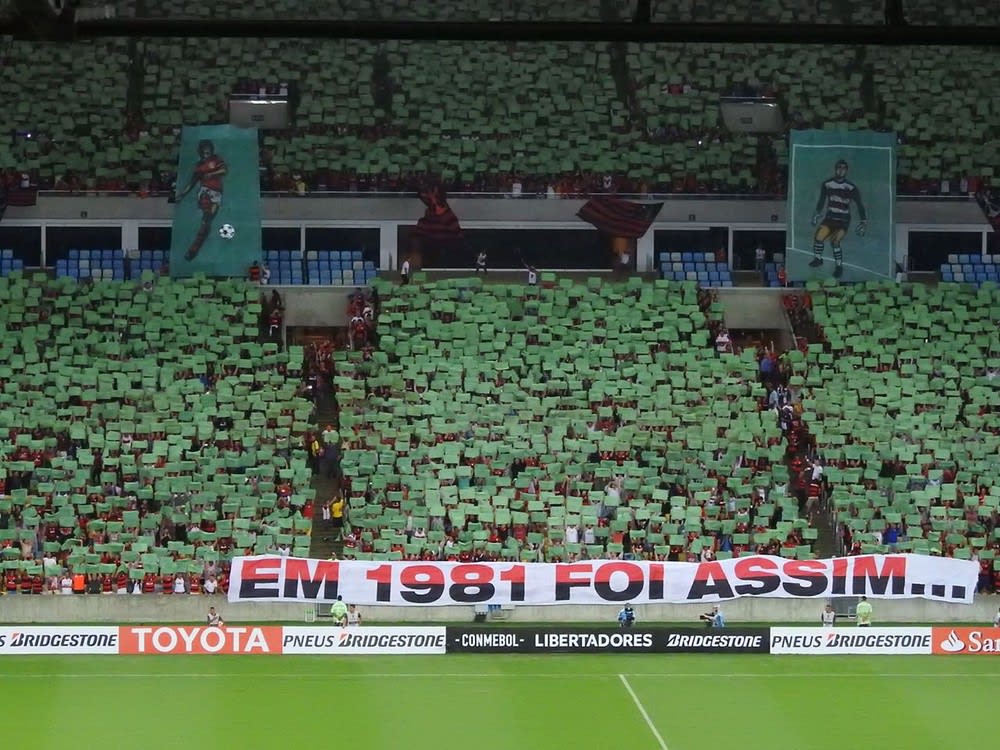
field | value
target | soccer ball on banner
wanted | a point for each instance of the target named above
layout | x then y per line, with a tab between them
227	231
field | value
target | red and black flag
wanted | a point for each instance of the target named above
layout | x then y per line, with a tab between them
16	196
620	218
439	223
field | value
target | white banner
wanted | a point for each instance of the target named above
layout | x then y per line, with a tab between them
822	641
317	640
270	578
20	640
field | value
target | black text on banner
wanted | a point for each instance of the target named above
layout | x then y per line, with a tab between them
606	640
420	583
833	641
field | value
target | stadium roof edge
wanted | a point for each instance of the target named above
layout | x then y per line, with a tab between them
731	33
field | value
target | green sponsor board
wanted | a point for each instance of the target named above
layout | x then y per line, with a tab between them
216	228
841	202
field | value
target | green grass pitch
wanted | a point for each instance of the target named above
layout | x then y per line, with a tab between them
457	702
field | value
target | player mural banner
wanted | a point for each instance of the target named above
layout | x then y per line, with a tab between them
841	203
419	583
216	228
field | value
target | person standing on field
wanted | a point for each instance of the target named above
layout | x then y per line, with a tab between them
828	617
864	613
338	611
353	616
214	619
996	619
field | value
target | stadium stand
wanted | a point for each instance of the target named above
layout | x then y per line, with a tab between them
77	124
971	269
772	272
106	265
664	11
702	268
338	267
902	405
559	115
321	268
148	260
8	263
141	445
581	421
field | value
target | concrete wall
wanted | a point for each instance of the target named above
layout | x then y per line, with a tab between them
387	214
753	308
137	609
152	609
746	610
676	209
315	307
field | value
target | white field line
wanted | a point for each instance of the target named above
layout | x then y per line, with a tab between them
642	710
490	675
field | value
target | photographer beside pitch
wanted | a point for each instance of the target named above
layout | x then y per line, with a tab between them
713	619
626	617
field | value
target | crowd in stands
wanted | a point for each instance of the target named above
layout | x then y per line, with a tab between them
555	422
362	317
897	382
548	425
149	436
557	119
